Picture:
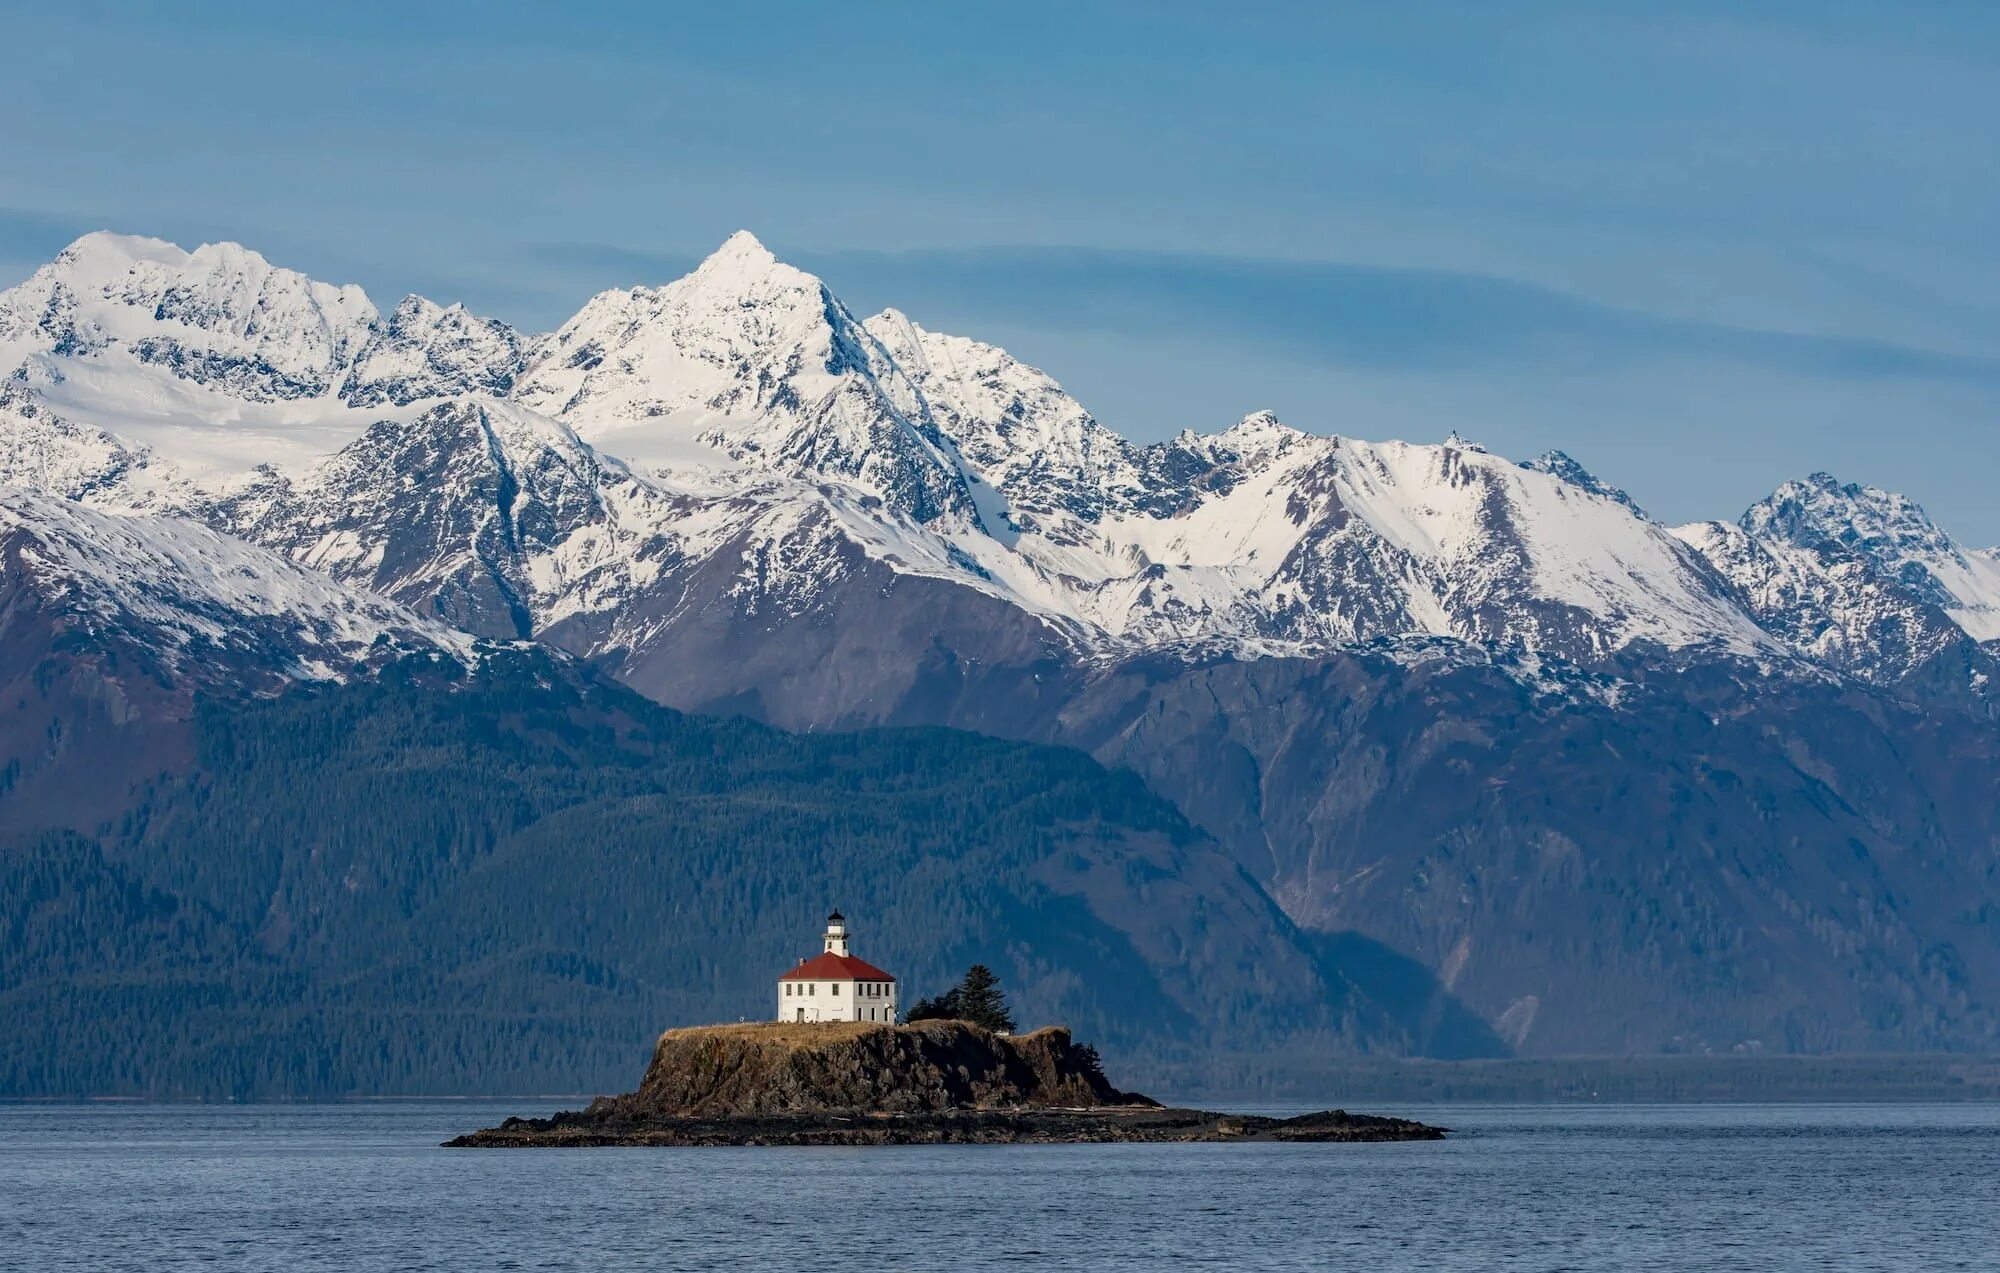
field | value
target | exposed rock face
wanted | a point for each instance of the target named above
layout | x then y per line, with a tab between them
180	600
933	1082
779	1068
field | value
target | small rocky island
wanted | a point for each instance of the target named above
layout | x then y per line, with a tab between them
927	1083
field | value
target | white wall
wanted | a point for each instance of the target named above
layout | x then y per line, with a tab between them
837	1001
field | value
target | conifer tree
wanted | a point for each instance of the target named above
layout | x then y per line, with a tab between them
942	1008
981	1001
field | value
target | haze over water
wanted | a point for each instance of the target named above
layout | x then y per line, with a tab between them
364	1187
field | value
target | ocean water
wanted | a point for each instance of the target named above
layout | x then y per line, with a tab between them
1522	1187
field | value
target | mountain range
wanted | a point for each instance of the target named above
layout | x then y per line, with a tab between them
1613	785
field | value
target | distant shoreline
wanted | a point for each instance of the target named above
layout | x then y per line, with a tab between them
1927	1079
1919	1079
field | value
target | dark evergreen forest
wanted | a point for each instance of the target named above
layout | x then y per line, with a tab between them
511	886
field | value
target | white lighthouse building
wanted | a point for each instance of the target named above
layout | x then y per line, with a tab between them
835	986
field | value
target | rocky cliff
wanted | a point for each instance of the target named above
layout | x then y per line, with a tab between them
932	1082
926	1067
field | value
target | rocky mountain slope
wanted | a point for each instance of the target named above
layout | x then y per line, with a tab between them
185	601
112	626
1358	664
1859	579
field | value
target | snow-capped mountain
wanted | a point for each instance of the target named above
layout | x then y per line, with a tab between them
220	315
426	350
1292	542
1016	428
1490	714
213	363
1896	537
183	600
1286	541
480	512
1859	579
735	446
747	363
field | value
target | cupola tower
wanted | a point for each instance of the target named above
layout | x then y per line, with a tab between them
835	986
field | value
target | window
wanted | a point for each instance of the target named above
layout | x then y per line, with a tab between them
836	987
788	987
811	989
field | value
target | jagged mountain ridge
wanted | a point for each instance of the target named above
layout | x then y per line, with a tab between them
1859	578
747	401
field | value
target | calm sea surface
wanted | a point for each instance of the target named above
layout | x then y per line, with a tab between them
1628	1187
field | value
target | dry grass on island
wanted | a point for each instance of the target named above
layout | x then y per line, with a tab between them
930	1082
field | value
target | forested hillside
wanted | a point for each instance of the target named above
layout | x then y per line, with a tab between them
513	885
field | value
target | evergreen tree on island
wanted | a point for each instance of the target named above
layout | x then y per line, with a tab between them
976	998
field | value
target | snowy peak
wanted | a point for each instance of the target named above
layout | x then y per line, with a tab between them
752	363
1854	577
1821	510
731	339
426	350
224	318
221	315
741	260
1260	438
1558	465
1833	608
1013	425
215	363
1471	545
1887	536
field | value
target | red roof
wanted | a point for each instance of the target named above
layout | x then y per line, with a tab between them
831	967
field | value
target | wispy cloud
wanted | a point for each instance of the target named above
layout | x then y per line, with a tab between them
1361	316
616	265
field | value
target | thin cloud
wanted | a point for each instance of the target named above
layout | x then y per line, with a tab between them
625	266
1361	316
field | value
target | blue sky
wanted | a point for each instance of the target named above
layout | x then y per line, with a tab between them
1700	251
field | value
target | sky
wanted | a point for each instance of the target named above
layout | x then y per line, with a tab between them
1702	248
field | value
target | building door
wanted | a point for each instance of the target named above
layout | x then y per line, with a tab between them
802	1014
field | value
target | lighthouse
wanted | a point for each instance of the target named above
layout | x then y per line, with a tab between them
835	986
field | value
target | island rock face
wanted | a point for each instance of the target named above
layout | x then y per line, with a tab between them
924	1067
931	1082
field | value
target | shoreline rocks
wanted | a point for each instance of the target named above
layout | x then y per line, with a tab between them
928	1083
1156	1124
